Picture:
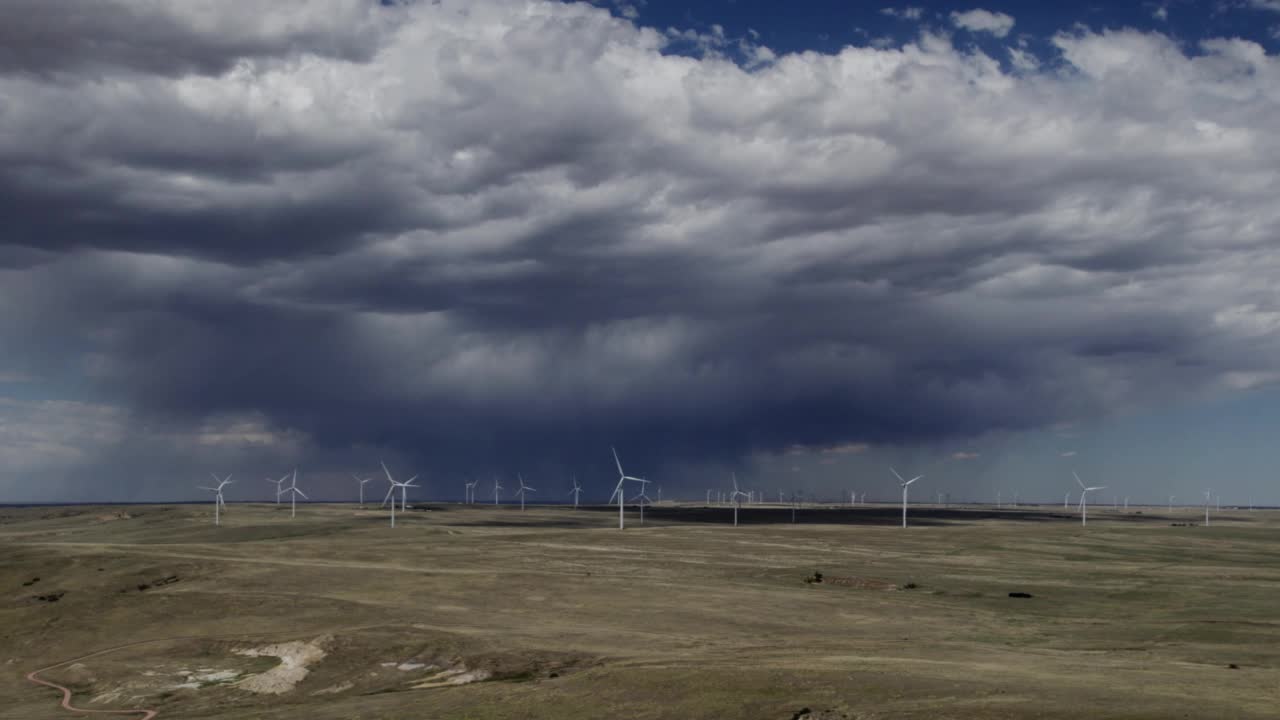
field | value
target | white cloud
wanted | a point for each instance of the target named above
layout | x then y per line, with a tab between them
906	13
996	23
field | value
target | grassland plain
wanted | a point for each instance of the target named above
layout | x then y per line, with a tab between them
481	613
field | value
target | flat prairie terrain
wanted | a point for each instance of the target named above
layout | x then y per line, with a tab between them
479	612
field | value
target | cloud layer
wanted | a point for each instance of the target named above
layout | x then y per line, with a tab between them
486	233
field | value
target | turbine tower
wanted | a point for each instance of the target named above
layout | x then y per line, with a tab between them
1084	497
905	484
218	502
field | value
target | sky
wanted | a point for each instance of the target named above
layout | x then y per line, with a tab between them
804	242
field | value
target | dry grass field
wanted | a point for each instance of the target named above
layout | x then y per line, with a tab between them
481	612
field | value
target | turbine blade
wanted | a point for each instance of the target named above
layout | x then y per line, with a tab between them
1077	477
385	470
616	460
304	495
895	474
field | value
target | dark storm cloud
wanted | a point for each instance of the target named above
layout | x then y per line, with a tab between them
508	235
108	36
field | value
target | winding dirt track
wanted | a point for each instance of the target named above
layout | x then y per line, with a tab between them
144	713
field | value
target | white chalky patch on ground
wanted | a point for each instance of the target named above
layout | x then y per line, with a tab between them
454	676
295	657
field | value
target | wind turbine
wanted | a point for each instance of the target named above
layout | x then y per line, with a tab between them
1206	507
497	488
294	492
523	489
643	499
905	484
470	491
278	484
618	491
391	492
362	481
404	492
1084	497
218	502
734	499
575	492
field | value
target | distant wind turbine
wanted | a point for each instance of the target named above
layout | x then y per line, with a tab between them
278	483
905	485
1206	507
470	492
218	502
575	492
1084	498
734	498
523	489
362	481
619	492
642	499
391	492
497	488
294	492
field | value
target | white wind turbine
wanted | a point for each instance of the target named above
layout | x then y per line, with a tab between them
1171	497
734	498
1206	507
1084	497
497	488
469	492
905	484
362	481
218	502
618	491
404	492
294	492
404	489
523	489
643	498
575	492
278	483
